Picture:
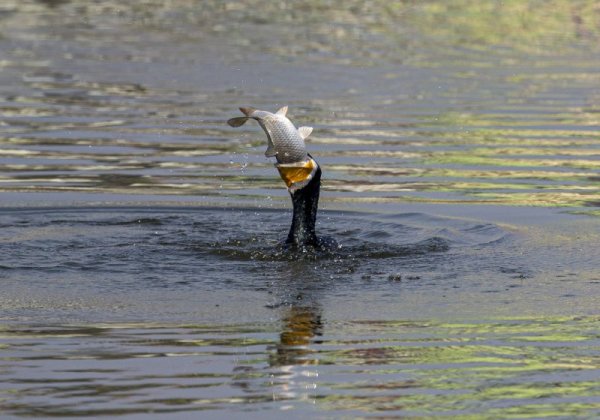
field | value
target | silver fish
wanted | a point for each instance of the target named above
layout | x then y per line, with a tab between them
286	142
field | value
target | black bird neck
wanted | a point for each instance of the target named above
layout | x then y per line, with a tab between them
306	202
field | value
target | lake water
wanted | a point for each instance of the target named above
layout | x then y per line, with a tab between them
139	261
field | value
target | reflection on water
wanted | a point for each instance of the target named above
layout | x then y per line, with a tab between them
300	326
498	368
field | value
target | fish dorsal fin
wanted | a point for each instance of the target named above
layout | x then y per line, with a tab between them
282	110
305	132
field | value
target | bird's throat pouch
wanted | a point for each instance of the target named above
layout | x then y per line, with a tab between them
297	175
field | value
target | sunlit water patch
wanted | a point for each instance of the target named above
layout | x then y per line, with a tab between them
133	99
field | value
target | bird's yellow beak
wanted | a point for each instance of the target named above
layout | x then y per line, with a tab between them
297	175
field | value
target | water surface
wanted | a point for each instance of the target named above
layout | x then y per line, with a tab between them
127	310
139	259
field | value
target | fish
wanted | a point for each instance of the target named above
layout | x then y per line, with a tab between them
285	141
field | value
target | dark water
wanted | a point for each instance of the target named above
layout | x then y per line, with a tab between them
139	261
133	311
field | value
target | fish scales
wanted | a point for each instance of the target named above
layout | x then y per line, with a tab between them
288	143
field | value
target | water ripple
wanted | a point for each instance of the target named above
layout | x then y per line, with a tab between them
493	368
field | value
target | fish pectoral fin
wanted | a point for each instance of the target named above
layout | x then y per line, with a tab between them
237	121
305	132
282	111
270	150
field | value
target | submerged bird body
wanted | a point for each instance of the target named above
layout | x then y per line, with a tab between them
297	168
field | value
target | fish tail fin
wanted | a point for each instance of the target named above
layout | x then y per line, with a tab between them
237	121
247	111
